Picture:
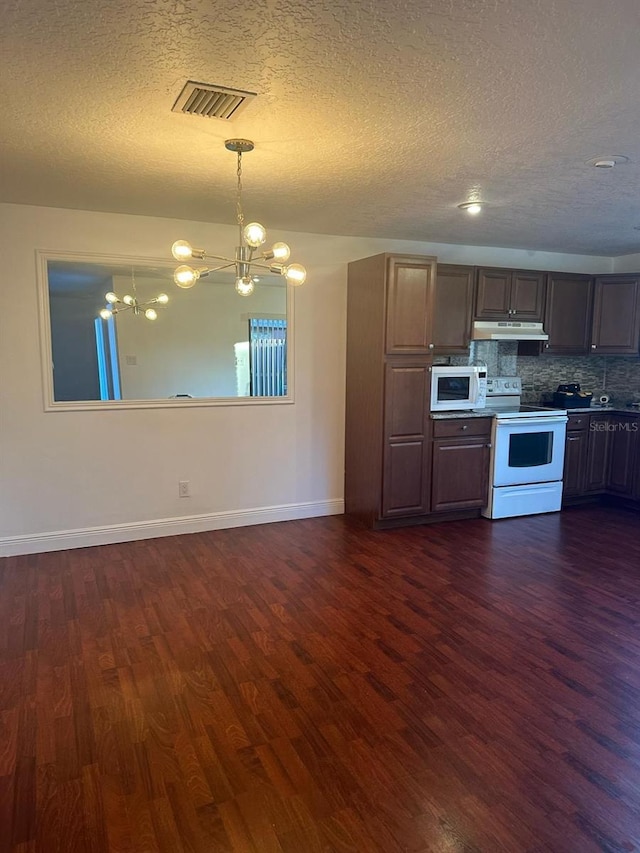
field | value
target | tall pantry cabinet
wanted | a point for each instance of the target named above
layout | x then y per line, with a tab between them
389	355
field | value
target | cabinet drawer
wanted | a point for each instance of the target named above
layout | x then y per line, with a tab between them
578	422
461	427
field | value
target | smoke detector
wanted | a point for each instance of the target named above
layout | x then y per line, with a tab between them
209	101
607	161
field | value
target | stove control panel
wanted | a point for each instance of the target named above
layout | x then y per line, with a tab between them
501	385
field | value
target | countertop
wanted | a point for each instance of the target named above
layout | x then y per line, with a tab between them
450	416
611	410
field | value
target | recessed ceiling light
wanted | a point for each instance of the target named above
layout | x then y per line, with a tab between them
607	161
472	207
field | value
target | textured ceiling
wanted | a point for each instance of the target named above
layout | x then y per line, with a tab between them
373	117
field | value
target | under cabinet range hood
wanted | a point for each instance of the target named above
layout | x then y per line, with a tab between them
507	330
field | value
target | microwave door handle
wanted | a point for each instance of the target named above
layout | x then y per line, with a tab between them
476	387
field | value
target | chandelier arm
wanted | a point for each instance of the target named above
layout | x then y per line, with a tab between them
223	267
261	266
220	258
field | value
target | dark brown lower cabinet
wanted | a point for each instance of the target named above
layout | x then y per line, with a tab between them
575	463
461	455
597	454
623	442
602	456
406	463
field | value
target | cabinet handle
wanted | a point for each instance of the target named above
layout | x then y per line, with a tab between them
593	346
430	346
489	445
464	426
573	438
546	346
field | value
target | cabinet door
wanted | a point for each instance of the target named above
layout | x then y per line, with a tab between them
623	431
616	316
410	285
575	463
406	468
460	478
452	309
597	454
568	314
493	296
527	296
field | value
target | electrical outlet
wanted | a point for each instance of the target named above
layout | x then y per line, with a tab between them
183	489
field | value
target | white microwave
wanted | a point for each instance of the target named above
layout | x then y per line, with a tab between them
455	388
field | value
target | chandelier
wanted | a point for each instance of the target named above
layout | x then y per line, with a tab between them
248	257
132	303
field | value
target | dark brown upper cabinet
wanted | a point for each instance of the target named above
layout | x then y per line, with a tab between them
452	309
510	295
410	284
568	314
616	316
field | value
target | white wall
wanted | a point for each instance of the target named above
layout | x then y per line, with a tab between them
627	263
189	348
64	471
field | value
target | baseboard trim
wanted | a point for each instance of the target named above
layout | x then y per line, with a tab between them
62	540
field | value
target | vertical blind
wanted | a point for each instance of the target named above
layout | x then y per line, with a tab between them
107	352
268	357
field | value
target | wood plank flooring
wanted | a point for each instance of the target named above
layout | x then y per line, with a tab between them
313	686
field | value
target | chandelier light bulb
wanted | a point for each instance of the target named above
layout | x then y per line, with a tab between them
244	286
295	274
106	314
128	300
185	276
181	250
111	297
255	234
281	252
151	314
162	298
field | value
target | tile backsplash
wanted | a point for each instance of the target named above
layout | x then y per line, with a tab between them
618	376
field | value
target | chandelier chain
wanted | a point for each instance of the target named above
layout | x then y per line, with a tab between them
239	213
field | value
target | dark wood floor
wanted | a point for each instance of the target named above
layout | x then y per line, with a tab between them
312	686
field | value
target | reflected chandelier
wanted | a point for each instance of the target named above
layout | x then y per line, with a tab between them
132	303
252	236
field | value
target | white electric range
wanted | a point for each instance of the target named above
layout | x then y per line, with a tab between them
527	452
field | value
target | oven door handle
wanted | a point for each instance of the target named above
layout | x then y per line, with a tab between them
537	421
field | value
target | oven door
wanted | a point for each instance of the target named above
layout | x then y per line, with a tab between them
528	450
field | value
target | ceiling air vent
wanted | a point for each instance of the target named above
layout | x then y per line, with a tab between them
203	99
